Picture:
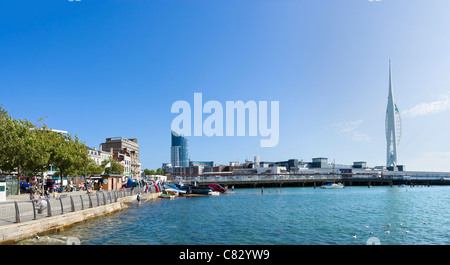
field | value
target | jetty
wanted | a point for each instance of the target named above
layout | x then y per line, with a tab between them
316	180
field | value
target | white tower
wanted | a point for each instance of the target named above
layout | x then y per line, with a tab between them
393	126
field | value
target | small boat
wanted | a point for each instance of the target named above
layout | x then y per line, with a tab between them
180	191
214	193
332	186
174	190
401	185
201	190
217	187
168	195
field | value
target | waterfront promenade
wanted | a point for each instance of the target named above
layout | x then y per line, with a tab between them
20	218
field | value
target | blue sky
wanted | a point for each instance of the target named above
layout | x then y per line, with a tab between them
113	68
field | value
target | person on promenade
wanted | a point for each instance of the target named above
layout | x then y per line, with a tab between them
138	198
47	193
31	196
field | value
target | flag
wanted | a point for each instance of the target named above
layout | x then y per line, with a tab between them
108	165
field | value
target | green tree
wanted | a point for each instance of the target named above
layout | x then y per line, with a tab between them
116	168
19	147
30	149
159	171
40	157
69	155
93	168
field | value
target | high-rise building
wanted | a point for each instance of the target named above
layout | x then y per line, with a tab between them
393	126
179	150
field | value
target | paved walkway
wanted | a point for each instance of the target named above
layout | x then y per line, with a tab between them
26	196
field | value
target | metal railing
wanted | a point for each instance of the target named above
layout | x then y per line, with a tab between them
306	177
27	210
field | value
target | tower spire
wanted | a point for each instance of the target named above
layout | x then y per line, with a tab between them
393	125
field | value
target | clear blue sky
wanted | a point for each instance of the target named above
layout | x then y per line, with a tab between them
114	67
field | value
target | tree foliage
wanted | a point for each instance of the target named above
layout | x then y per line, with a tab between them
116	168
30	149
148	172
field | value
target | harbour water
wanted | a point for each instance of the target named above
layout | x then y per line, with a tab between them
294	216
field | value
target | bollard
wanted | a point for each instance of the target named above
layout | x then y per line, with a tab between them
104	198
98	200
60	202
90	201
17	212
49	209
82	205
109	195
34	209
115	196
72	206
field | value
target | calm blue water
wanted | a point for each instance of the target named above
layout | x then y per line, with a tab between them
305	216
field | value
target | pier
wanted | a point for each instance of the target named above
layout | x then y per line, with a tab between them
315	180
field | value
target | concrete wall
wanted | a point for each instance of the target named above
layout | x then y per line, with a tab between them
12	233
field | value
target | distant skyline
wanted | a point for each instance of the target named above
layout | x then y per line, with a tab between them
110	68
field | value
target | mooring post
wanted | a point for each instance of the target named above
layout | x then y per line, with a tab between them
72	205
49	208
82	204
16	205
60	202
90	201
34	209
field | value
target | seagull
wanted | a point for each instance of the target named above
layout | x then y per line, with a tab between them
370	232
401	224
387	232
354	237
424	222
366	226
407	231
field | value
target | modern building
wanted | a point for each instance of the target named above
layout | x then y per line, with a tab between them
123	148
179	150
393	126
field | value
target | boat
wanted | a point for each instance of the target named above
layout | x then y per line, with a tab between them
201	190
174	190
214	193
180	191
217	187
167	195
332	186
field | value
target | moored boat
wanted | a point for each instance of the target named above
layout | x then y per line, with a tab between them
201	190
332	186
167	195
